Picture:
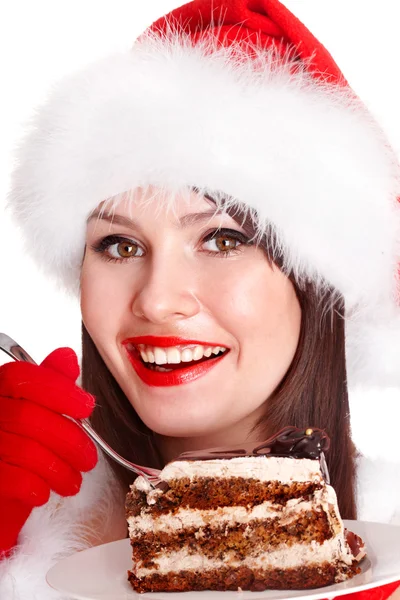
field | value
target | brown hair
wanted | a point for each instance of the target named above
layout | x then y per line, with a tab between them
313	393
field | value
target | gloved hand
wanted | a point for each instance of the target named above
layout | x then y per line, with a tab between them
40	449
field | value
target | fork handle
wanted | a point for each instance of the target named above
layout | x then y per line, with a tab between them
84	424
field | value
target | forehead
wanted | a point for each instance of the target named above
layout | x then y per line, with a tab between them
179	208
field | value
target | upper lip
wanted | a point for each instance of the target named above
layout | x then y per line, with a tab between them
167	341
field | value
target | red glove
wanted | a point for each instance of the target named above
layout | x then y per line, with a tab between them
40	449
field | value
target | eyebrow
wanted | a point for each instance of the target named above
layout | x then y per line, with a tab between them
185	221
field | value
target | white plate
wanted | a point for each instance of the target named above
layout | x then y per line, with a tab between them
100	573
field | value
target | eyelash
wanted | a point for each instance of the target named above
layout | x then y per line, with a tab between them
102	245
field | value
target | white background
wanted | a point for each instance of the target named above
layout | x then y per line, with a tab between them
42	40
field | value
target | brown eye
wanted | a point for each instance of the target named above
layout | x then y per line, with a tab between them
117	248
126	250
222	244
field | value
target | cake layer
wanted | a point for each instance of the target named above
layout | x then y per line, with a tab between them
324	499
236	540
229	578
205	493
298	555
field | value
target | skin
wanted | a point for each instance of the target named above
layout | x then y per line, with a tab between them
179	285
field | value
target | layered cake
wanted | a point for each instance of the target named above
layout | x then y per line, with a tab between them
251	518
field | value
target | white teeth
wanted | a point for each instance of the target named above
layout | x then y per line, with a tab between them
174	355
186	355
198	353
160	356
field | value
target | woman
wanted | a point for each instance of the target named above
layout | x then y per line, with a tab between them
228	132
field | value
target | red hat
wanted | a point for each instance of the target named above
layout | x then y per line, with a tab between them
257	23
238	98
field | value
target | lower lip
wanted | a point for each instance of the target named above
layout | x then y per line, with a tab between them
175	377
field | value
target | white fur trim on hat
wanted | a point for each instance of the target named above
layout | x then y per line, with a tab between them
305	155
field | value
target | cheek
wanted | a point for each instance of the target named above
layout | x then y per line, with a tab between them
260	308
231	291
249	295
102	301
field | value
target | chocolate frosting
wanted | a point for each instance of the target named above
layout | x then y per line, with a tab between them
290	442
356	544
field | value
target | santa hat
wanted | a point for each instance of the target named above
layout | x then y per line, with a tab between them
236	97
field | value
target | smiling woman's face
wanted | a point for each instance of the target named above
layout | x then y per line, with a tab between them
189	275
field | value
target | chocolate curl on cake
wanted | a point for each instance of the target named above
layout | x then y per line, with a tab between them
296	443
290	441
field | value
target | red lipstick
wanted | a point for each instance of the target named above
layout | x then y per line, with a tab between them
177	376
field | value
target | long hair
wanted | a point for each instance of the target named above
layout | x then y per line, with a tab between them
313	392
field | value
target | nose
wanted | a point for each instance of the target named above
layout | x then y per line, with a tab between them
166	291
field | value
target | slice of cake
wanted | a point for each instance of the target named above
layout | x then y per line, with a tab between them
254	518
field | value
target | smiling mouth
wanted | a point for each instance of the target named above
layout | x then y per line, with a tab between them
165	362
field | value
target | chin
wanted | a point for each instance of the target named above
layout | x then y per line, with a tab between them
178	430
187	427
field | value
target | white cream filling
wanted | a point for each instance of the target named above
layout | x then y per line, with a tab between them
283	558
324	499
262	468
185	518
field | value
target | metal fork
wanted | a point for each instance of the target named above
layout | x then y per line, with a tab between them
10	347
